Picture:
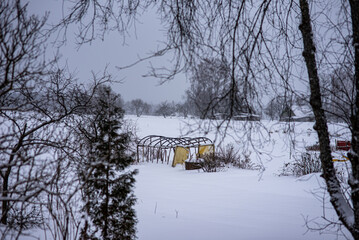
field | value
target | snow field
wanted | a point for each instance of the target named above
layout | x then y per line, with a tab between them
232	204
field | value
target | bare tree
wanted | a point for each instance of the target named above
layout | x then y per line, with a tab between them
140	107
183	108
95	18
349	215
209	83
38	102
275	107
20	49
338	93
165	109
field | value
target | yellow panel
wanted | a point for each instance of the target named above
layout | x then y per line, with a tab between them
205	149
343	159
181	155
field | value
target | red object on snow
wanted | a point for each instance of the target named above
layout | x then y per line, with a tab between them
343	145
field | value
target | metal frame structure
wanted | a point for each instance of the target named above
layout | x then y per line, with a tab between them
159	147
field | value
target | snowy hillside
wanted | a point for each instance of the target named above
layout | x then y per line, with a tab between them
235	203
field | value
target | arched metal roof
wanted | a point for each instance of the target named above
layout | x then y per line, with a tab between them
157	141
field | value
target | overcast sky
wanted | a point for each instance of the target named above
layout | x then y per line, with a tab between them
113	53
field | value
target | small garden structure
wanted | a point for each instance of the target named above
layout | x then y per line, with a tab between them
160	149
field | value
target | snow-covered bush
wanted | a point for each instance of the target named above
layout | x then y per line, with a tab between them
308	162
227	156
211	163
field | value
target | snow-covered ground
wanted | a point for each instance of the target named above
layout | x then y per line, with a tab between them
235	203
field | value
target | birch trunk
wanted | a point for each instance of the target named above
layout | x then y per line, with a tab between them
348	216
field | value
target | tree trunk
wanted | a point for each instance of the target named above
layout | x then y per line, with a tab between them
353	154
4	207
337	198
106	210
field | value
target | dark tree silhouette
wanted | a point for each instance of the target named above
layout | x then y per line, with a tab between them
209	88
139	107
165	109
37	98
